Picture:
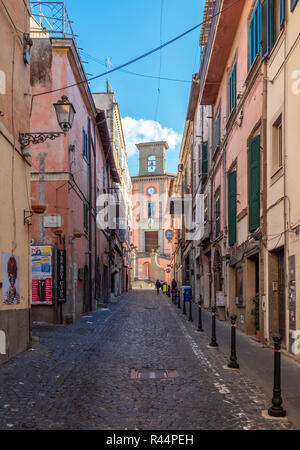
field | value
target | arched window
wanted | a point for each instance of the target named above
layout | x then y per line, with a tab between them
151	164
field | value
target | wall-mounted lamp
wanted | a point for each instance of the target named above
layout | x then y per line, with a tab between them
65	115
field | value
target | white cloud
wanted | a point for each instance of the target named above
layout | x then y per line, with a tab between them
141	130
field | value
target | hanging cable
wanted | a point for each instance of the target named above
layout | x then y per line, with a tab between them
138	58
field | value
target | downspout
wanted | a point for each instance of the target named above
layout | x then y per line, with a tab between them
90	215
264	324
286	252
95	214
226	301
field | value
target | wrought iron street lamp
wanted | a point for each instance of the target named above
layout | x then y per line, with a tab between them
65	113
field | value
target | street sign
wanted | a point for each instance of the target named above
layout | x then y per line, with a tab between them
169	234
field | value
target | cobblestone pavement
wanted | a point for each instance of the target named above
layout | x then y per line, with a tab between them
81	376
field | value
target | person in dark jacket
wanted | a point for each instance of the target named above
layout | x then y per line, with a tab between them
174	284
157	285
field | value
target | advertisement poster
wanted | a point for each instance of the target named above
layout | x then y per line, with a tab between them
41	275
10	279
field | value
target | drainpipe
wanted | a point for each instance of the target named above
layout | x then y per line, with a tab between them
286	251
90	215
95	214
225	267
264	324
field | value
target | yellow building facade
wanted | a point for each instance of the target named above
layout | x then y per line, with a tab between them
282	243
14	180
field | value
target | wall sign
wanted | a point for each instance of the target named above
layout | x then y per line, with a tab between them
52	221
41	275
10	279
61	276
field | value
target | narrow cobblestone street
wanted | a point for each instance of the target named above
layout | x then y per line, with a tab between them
83	376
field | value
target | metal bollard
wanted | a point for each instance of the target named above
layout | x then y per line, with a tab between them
276	409
200	315
169	293
183	310
178	303
190	310
233	359
213	342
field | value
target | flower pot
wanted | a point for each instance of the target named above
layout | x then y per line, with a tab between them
38	209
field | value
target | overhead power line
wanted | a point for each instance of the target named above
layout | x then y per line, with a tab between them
94	59
138	58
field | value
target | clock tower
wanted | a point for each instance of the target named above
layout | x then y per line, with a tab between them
151	215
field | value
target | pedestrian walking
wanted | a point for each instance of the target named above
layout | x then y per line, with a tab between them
157	285
174	284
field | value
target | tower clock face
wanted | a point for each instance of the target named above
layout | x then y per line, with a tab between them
151	190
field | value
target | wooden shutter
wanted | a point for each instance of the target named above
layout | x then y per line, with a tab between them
254	183
204	159
282	12
232	207
264	29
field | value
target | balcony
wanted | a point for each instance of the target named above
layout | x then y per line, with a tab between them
220	39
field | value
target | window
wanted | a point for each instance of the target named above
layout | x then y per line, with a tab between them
277	145
103	175
232	90
151	210
204	159
85	217
217	128
272	20
232	207
151	164
254	183
217	214
85	152
255	33
205	208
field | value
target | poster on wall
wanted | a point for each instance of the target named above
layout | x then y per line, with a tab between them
10	279
41	275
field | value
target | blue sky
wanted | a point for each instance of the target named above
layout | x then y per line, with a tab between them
124	29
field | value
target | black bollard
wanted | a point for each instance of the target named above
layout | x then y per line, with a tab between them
169	294
200	315
233	359
183	309
178	303
276	409
190	310
213	342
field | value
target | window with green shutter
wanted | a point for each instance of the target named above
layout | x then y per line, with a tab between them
85	152
232	207
254	183
204	159
217	128
255	33
232	90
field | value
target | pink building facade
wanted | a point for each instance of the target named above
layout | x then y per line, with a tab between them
151	214
68	175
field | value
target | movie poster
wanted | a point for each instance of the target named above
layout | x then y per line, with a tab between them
10	279
41	275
